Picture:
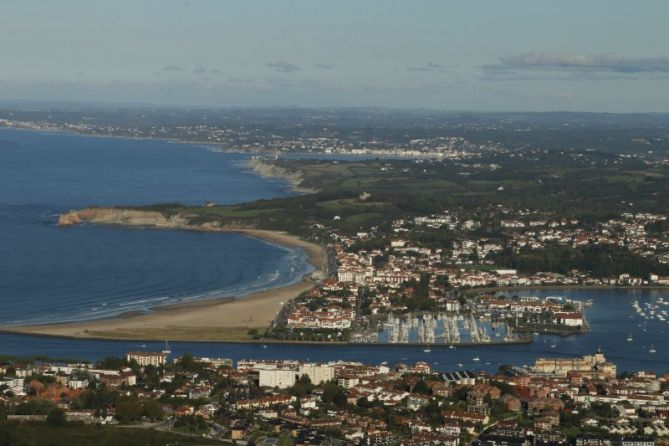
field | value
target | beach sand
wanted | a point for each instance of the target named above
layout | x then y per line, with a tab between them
225	319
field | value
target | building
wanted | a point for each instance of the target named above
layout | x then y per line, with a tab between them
213	362
281	378
587	363
15	385
569	318
147	358
317	373
637	441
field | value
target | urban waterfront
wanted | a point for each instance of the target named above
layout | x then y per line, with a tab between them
611	316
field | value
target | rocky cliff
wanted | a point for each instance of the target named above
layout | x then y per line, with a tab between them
269	170
147	219
125	217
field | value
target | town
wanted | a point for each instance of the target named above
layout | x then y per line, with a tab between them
398	289
579	401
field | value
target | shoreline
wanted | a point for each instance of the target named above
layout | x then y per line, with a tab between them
223	318
270	341
229	319
217	319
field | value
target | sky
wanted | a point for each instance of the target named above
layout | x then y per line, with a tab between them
479	55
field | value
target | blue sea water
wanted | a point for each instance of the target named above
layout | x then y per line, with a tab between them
49	273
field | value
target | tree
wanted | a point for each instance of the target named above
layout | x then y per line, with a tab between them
302	387
285	440
152	410
421	387
128	409
37	406
187	362
330	391
340	400
56	417
112	363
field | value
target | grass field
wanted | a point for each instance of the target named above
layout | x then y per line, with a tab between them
41	434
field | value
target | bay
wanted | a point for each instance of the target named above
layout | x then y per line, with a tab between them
49	273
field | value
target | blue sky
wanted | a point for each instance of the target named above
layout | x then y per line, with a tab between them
595	55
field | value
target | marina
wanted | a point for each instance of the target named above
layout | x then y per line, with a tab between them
444	328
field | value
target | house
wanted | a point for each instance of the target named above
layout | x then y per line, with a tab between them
637	441
569	318
547	421
512	403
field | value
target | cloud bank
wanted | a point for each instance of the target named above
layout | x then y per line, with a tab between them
429	66
589	63
283	67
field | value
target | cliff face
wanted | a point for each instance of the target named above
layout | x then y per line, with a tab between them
269	170
146	219
125	217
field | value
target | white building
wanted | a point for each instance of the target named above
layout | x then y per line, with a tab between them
77	383
15	385
147	358
281	378
317	373
570	319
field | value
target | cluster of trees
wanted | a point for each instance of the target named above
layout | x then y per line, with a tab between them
191	423
70	434
415	294
599	260
130	408
553	183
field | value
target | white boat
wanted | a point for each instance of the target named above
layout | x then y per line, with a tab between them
652	349
476	359
630	338
167	349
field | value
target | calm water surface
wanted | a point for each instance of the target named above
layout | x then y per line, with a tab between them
49	273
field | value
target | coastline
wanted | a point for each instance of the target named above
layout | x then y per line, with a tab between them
225	318
219	319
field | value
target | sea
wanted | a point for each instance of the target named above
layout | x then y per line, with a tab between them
50	273
54	274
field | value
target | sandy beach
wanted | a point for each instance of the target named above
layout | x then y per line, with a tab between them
225	319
